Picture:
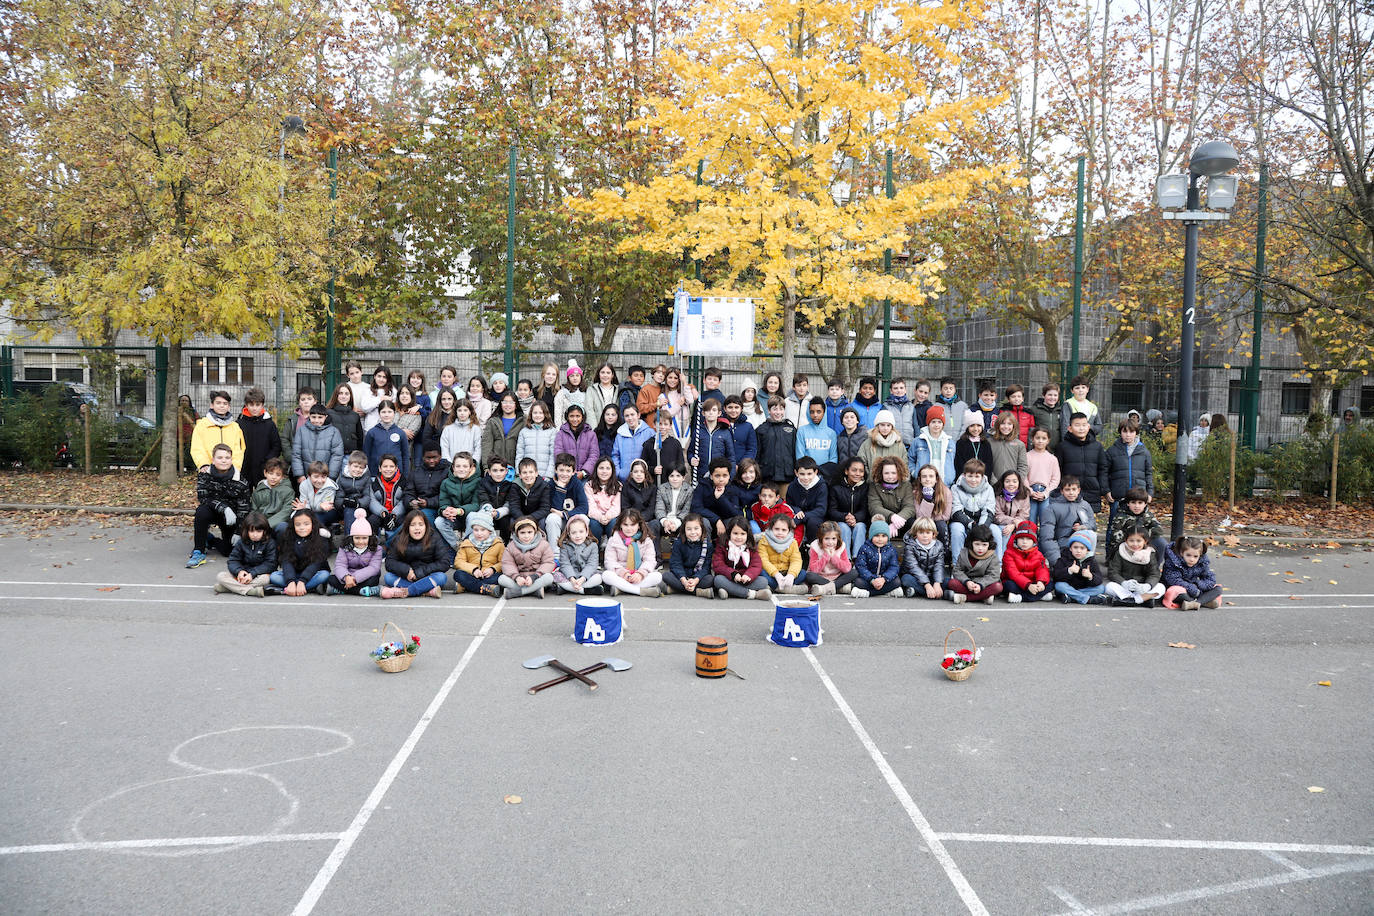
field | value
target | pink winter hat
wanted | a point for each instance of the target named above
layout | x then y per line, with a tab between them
360	526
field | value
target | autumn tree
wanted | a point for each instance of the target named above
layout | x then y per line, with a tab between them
560	82
790	106
143	188
1126	84
1301	72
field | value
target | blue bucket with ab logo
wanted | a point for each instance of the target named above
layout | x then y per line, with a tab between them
796	624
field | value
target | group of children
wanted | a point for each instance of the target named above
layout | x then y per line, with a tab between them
501	491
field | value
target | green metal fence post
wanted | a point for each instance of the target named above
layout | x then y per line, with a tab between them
7	370
1077	271
160	382
331	355
885	368
510	265
1250	421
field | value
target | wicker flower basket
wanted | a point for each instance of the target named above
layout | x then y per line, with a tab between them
396	662
961	674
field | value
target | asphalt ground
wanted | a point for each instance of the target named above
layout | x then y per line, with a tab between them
168	750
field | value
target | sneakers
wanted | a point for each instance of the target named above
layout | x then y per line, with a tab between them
795	590
256	591
651	591
322	588
369	591
195	560
959	598
221	588
988	600
389	592
1098	599
704	593
722	594
1215	602
825	588
270	591
858	592
846	589
909	591
762	594
491	591
1015	597
435	592
1190	605
538	593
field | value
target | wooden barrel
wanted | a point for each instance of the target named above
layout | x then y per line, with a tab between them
713	656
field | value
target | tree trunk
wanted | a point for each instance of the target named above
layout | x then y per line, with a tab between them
167	466
789	339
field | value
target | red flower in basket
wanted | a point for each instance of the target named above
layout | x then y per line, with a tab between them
415	639
966	653
946	662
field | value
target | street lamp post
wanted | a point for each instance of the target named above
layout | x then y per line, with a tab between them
291	126
1212	160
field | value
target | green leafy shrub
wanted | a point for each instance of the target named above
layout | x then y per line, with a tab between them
32	428
1355	466
1211	470
1295	465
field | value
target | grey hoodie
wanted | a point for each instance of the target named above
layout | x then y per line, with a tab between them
577	561
985	571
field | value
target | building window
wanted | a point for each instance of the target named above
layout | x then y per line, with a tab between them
133	386
1127	394
221	370
1235	393
1296	399
54	367
1367	401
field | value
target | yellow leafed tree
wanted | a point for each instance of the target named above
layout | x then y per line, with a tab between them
789	106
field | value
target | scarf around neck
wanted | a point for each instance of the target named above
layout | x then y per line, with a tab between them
632	556
737	554
778	546
220	419
1140	557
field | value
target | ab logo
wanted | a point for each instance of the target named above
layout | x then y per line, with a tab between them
592	632
792	632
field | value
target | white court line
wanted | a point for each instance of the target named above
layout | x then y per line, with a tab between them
303	601
162	842
1219	890
932	840
350	836
1076	906
1237	845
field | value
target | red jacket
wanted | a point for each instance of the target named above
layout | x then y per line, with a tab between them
1026	419
763	516
1024	568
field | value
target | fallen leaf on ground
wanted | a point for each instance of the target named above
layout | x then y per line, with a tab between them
513	799
1294	581
1295	597
1231	540
1227	553
983	619
108	588
1333	581
1332	545
1323	683
1181	645
1315	789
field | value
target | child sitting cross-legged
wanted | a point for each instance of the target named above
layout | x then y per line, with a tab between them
252	560
830	568
781	557
631	565
579	559
689	564
303	552
736	564
1025	575
1133	569
1188	580
417	560
876	563
477	567
527	565
923	566
1076	574
358	564
977	572
223	497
